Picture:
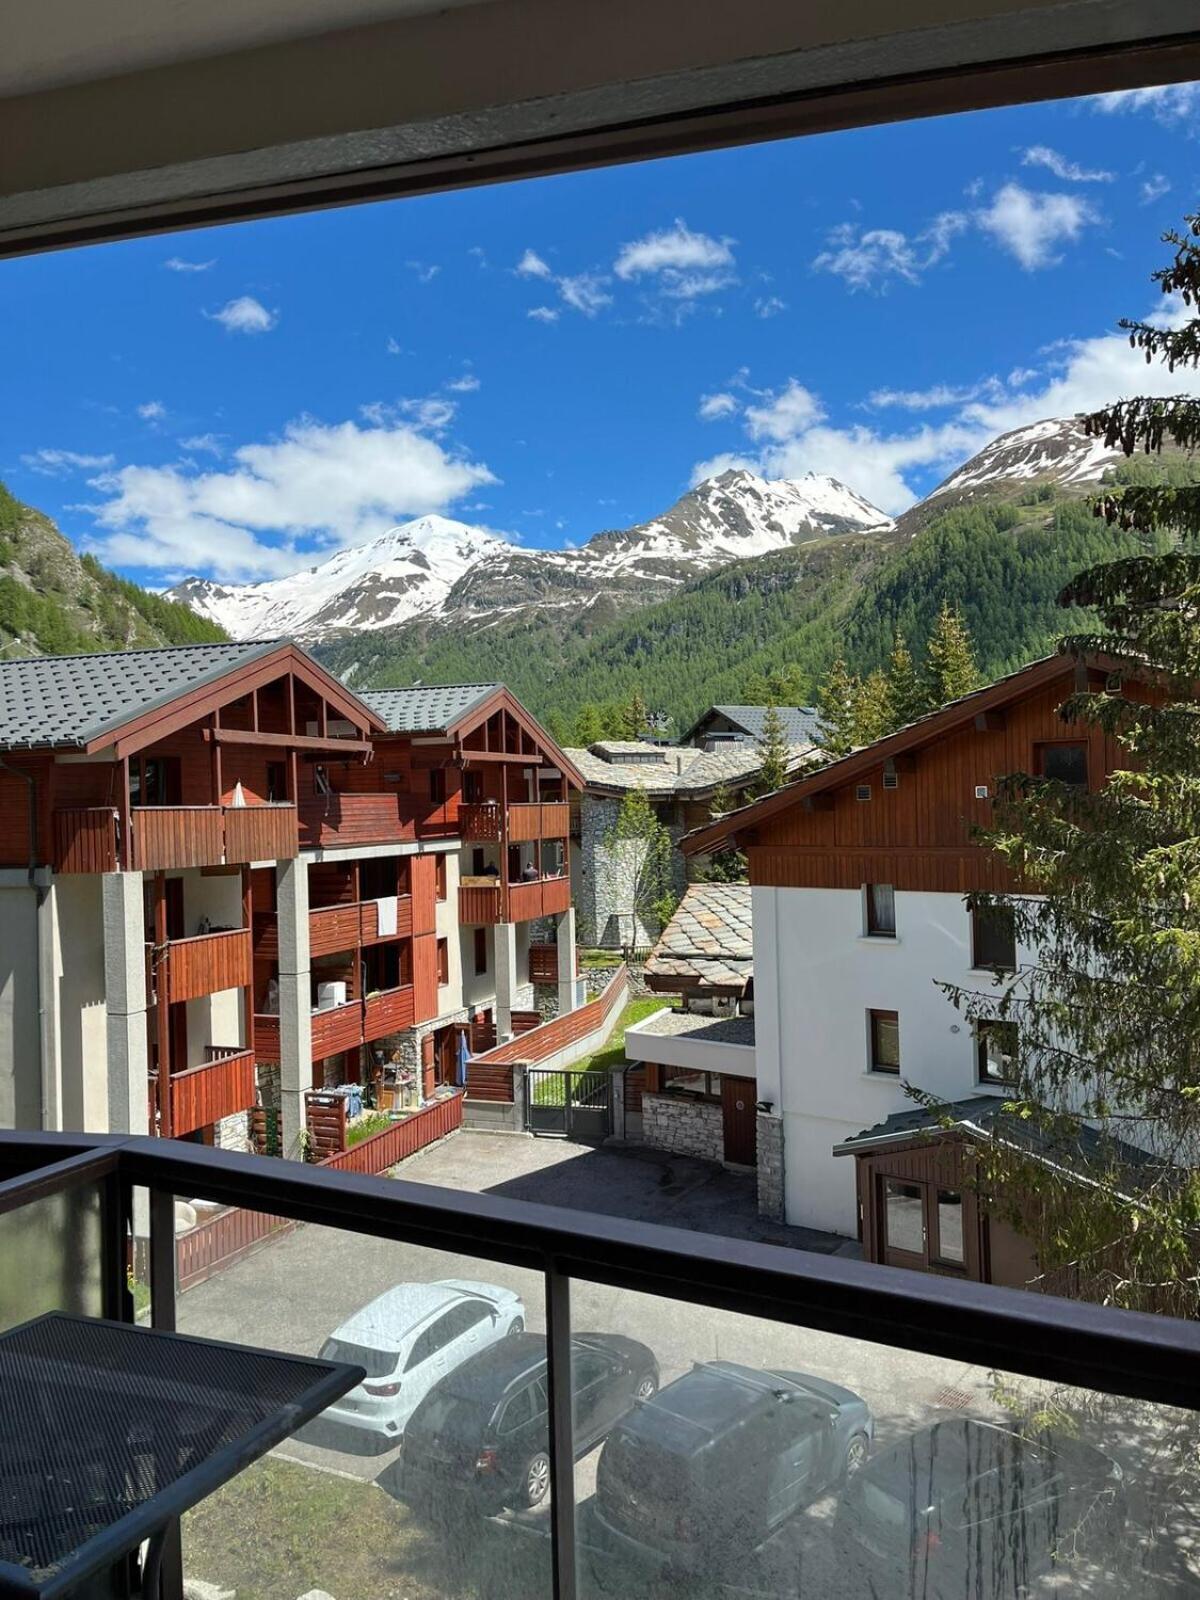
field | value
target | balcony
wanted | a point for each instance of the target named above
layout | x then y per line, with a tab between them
543	897
479	901
388	1012
347	819
165	837
85	839
921	1351
337	1028
480	824
216	1089
207	964
335	928
549	820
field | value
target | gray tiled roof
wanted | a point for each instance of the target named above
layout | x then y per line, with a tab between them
432	709
709	942
71	700
801	724
682	770
986	1114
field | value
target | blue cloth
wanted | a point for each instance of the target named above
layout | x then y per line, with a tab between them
464	1056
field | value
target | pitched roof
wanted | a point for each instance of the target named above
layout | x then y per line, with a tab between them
801	724
708	943
849	767
982	1116
673	769
427	709
70	701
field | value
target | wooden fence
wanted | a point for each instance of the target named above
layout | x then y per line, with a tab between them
384	1149
489	1075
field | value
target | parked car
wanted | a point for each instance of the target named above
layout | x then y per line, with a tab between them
970	1508
485	1428
407	1341
704	1472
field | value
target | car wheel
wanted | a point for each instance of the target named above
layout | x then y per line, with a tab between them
647	1388
856	1454
536	1479
516	1326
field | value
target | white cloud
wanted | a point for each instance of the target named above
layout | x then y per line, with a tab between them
1169	102
179	264
531	265
467	384
208	443
938	397
585	292
1030	226
152	411
60	463
869	258
715	406
543	314
426	271
769	305
393	347
244	315
792	435
1041	155
1153	188
479	253
281	505
684	264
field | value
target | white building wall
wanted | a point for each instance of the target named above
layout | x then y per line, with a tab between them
816	976
82	1013
20	1037
450	994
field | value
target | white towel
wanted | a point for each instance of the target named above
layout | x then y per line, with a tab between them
385	915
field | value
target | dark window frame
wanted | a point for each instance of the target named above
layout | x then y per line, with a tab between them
983	1027
1039	759
876	1020
443	961
877	925
481	960
979	953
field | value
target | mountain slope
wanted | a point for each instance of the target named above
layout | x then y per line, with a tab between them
55	602
436	571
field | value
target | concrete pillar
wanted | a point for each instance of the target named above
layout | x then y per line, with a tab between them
565	936
295	1001
125	1003
506	979
48	973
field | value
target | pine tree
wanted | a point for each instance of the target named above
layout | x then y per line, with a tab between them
950	669
906	692
638	863
726	866
1106	1010
635	716
872	708
837	696
589	728
774	753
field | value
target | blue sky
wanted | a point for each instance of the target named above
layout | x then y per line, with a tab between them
555	357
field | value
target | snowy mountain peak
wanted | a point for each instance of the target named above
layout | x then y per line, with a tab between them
1054	450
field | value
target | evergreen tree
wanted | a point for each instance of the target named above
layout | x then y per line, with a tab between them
589	729
639	866
1105	1012
837	696
726	866
774	752
950	669
872	708
635	717
906	692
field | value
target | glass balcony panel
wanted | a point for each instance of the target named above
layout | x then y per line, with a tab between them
52	1257
721	1455
403	1487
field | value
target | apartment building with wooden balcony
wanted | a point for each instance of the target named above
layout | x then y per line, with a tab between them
226	880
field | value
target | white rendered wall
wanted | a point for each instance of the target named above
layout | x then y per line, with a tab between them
815	979
81	1005
450	994
20	1036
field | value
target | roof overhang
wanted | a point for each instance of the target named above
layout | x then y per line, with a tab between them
116	121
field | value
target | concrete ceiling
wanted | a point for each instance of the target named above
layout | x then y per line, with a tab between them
125	116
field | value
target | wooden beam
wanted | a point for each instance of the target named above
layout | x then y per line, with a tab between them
287	741
472	756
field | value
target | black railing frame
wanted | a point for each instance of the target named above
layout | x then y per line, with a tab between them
1037	1336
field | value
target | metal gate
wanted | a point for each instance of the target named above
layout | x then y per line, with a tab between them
568	1105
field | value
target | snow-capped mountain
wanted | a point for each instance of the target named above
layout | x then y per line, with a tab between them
434	569
1055	449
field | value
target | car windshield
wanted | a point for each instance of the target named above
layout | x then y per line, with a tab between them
375	1363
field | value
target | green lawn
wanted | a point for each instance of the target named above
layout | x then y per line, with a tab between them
551	1091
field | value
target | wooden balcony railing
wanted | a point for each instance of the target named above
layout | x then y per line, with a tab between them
543	963
266	1036
85	839
210	836
214	1090
339	1028
479	903
207	964
544	897
549	820
335	928
480	824
388	1012
355	819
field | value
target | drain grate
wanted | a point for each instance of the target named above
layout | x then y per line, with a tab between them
952	1399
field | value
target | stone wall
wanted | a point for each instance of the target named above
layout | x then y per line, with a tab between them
268	1085
408	1043
770	1166
233	1133
684	1127
601	909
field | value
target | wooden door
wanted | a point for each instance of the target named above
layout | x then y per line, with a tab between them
739	1120
428	1046
903	1228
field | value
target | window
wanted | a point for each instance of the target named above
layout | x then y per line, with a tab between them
155	781
437	785
473	788
904	1217
439	876
276	781
682	1080
881	910
518	1412
950	1226
443	960
1065	762
885	1041
996	1051
430	1342
481	961
993	938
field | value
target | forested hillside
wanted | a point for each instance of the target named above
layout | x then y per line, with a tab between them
55	602
1001	561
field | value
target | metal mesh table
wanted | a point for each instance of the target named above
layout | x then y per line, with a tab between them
109	1432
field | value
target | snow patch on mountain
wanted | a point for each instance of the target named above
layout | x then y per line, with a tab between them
1055	449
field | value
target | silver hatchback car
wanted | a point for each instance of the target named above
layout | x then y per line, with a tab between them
409	1339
